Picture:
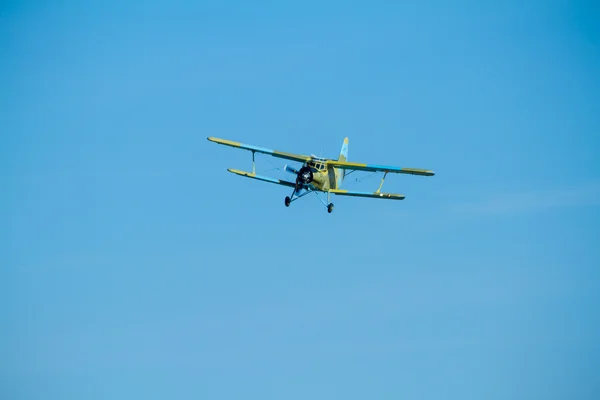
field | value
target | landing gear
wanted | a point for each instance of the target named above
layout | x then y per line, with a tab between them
296	195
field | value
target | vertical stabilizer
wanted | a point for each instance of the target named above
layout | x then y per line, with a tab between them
341	173
344	152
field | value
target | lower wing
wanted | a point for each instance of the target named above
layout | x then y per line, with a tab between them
261	178
376	195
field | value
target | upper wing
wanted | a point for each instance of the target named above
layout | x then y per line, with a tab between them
274	153
379	168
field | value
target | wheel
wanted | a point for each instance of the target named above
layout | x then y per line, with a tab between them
287	201
330	208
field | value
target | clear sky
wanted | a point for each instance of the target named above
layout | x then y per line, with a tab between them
134	266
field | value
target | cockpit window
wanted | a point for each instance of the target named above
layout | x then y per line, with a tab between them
317	165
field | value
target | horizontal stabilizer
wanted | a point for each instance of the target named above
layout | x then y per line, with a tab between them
376	195
261	178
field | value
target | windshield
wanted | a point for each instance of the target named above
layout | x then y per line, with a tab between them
317	165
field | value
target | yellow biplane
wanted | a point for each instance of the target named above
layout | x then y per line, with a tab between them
320	174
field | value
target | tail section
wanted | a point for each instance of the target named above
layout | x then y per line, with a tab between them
341	173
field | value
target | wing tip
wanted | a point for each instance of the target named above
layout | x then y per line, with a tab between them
214	139
422	172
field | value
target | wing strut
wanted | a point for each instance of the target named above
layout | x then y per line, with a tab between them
381	184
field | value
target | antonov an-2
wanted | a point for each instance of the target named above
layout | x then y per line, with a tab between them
320	174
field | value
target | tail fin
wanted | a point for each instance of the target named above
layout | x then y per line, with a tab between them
344	152
341	173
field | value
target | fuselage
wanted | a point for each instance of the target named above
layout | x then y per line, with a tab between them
325	177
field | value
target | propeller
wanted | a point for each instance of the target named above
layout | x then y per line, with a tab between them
287	168
304	176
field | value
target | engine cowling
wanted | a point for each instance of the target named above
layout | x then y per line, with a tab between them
305	175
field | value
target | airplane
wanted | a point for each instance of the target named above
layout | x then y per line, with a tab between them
319	174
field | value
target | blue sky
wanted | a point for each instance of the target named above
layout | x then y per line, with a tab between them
134	265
